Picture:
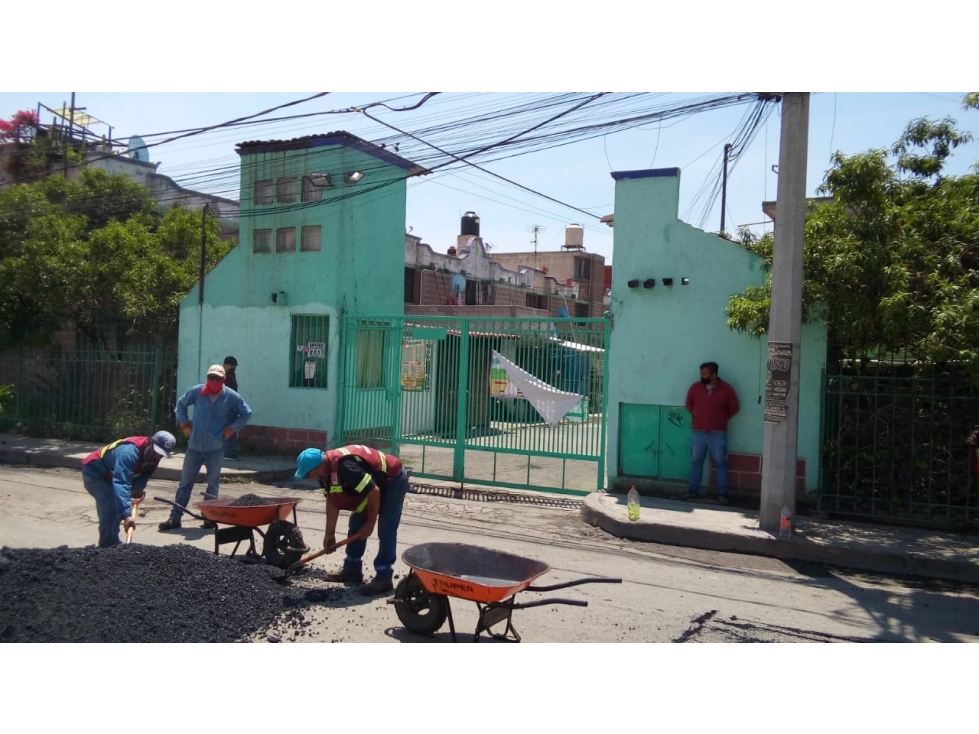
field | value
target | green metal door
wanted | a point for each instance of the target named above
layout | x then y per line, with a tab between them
639	431
674	455
654	441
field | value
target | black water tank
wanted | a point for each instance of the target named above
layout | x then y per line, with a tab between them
470	224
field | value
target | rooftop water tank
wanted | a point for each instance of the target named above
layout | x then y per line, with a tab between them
470	224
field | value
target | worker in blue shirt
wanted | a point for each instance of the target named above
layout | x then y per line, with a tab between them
117	474
218	412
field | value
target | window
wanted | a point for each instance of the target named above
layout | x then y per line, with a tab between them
312	239
478	293
307	356
286	190
582	268
310	192
285	239
536	301
263	192
262	240
581	310
411	278
371	350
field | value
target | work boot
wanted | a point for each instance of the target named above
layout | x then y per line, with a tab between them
169	524
345	577
722	499
379	585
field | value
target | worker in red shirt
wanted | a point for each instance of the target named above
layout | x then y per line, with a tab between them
712	403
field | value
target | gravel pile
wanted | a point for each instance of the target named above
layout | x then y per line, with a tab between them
251	500
136	593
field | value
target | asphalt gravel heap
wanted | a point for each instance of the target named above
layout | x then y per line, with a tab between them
136	593
251	500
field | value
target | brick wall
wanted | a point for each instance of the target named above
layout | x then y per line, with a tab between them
744	473
268	439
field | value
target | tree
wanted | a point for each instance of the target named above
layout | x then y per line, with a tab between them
892	263
97	253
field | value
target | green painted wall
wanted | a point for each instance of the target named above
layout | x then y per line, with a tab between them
359	270
661	335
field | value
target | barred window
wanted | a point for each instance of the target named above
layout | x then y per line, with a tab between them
307	355
286	190
312	239
263	192
262	240
285	239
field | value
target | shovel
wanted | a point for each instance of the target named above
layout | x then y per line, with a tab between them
129	533
181	507
306	559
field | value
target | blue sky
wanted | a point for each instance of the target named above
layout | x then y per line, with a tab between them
577	174
502	50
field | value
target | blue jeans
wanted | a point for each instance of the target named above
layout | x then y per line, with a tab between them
388	519
193	460
231	445
105	505
716	443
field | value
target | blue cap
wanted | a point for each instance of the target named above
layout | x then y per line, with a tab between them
307	461
164	443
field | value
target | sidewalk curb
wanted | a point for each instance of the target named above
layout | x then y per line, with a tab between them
900	561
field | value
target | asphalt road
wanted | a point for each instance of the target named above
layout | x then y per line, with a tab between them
668	594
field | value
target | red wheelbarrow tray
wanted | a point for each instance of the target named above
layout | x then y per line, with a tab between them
222	510
469	572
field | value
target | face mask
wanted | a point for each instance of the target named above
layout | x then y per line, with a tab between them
213	387
705	380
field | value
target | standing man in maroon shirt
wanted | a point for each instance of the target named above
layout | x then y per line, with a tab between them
712	403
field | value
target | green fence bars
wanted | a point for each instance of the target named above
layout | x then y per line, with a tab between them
444	393
894	445
89	395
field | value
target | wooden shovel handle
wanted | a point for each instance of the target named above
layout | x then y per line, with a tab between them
322	551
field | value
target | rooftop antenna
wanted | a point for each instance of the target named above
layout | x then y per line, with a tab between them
535	229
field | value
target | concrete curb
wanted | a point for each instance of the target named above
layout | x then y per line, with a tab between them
742	535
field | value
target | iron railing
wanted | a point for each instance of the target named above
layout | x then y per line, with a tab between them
88	395
894	444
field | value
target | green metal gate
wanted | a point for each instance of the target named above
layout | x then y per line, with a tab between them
428	389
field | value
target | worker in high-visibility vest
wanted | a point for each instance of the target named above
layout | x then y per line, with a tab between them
117	474
372	486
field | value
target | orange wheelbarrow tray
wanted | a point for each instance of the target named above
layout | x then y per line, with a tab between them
490	578
252	516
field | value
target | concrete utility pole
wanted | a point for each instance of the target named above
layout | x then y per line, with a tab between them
785	318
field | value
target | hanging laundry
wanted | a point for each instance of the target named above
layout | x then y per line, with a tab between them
551	403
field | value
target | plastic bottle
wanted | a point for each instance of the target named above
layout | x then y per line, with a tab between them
785	524
632	502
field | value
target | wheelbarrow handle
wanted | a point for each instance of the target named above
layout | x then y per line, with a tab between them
181	507
542	603
565	585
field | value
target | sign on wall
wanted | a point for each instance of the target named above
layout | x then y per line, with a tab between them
778	381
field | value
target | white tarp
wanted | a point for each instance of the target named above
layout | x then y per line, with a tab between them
551	403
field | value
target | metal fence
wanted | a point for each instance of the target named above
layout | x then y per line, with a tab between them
88	395
435	391
894	445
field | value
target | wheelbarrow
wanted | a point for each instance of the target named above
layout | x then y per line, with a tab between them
282	542
490	578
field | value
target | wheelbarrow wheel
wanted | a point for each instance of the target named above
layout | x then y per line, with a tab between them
283	545
418	609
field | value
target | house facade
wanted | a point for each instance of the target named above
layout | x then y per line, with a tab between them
321	238
671	288
565	283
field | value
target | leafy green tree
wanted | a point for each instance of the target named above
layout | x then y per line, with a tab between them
892	262
97	253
